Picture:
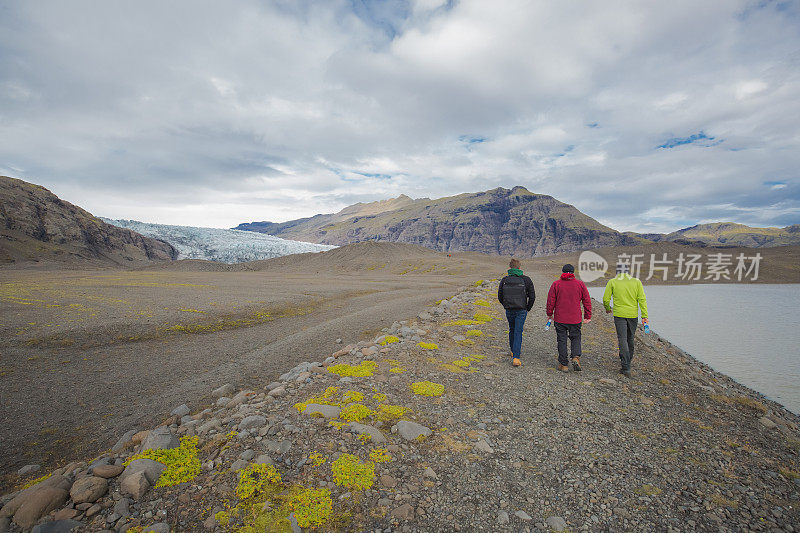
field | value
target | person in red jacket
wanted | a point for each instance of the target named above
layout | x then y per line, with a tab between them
564	307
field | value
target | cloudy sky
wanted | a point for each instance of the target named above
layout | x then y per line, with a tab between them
648	116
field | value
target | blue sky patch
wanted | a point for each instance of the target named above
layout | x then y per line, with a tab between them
698	138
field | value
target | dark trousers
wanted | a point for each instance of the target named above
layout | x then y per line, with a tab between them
626	329
516	321
573	332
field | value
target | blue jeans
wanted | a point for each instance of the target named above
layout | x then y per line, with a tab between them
516	321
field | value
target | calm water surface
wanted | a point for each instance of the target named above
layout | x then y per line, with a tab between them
749	332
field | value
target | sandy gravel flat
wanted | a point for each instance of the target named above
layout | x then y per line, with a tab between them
88	355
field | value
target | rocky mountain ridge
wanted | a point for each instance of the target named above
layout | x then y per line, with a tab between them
36	225
731	234
499	221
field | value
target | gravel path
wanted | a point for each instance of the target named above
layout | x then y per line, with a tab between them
676	448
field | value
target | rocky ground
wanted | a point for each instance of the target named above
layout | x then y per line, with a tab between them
429	428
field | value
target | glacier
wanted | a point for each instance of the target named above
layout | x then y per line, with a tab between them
217	244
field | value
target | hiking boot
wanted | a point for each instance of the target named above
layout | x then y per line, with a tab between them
563	368
516	362
626	373
576	364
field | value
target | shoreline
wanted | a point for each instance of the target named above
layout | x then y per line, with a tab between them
457	437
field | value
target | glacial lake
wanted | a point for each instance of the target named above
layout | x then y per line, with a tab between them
749	332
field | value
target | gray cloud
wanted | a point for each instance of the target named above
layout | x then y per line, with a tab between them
648	117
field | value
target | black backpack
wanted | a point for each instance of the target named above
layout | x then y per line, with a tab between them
515	296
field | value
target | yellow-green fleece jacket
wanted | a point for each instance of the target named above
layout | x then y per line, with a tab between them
628	295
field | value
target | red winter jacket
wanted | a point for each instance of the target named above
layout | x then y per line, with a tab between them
565	297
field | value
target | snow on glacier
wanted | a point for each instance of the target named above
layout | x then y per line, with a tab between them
216	244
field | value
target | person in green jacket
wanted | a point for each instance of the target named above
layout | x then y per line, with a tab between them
628	296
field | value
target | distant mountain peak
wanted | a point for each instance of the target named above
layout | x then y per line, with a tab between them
498	221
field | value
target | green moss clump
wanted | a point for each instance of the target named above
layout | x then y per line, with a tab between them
427	388
428	345
182	462
355	412
389	339
350	472
257	480
311	507
366	368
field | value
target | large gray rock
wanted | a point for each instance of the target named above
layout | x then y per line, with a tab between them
55	481
483	446
207	426
159	527
364	429
181	410
88	489
123	440
135	485
328	411
38	504
108	471
411	430
161	439
57	526
556	523
151	469
28	469
123	507
252	421
225	390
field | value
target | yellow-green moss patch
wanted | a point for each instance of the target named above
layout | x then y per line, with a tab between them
350	472
427	388
362	370
389	339
181	462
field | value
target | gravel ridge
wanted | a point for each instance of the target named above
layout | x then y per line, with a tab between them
678	447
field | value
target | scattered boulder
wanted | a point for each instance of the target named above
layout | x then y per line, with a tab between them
38	504
767	423
404	512
430	473
522	515
556	523
225	390
55	481
135	485
277	392
151	469
388	481
88	489
181	410
365	429
483	446
158	527
411	430
252	421
503	518
28	469
160	439
123	440
57	526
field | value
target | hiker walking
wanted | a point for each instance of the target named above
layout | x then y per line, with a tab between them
628	298
517	296
564	300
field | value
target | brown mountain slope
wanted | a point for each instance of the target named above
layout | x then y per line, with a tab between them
728	234
499	221
36	225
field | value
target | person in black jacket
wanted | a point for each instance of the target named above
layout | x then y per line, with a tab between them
517	296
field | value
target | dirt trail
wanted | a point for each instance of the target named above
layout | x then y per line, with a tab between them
86	355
